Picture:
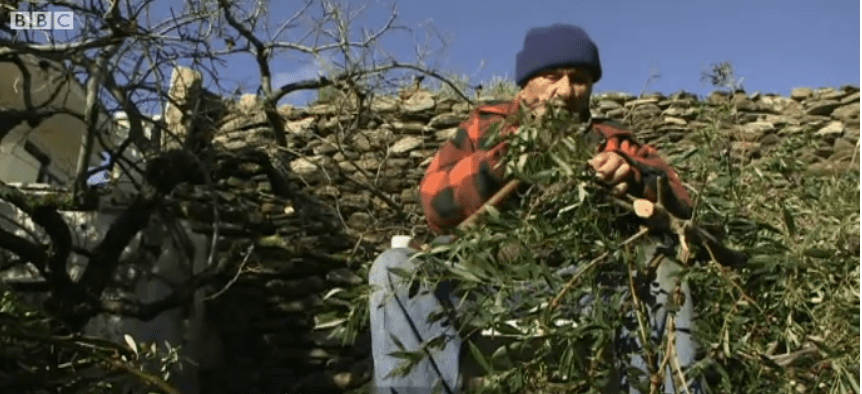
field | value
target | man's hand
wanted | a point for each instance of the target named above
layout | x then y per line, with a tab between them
613	169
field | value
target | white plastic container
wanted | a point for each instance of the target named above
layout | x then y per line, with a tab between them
401	241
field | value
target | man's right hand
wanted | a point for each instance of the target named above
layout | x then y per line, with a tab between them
612	169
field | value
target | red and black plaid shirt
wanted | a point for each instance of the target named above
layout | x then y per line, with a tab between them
465	172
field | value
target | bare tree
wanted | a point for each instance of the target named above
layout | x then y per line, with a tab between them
123	53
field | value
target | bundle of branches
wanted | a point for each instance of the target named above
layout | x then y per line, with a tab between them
523	273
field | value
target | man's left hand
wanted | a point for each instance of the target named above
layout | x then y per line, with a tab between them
613	169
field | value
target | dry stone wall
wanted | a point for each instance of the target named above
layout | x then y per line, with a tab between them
301	221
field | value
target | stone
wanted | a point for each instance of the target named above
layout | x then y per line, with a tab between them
853	98
847	113
852	134
653	95
824	151
296	306
618	113
393	181
679	102
753	131
307	165
461	107
446	134
844	149
683	95
446	120
748	117
362	143
801	93
822	107
778	120
320	109
368	163
383	104
346	166
833	95
344	276
406	144
745	149
792	129
607	105
248	103
419	102
641	102
647	110
301	127
717	98
234	144
325	147
673	130
673	120
411	127
681	112
746	105
770	139
360	220
285	110
409	195
778	105
294	288
355	201
619	97
816	121
835	128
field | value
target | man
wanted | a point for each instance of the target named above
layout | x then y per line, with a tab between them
558	65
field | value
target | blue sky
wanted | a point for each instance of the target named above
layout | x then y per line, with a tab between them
774	45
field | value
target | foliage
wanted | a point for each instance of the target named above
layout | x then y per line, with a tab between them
37	359
722	75
786	322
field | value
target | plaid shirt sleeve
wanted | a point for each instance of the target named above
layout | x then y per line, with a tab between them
648	166
464	173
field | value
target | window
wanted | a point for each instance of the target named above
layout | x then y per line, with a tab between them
45	175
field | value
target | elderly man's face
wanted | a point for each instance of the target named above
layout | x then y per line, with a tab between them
567	87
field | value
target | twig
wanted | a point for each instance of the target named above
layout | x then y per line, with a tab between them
235	277
644	336
787	359
571	283
671	350
74	343
504	192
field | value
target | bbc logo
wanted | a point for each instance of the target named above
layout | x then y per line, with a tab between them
57	20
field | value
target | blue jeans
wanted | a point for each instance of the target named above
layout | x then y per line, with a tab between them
399	312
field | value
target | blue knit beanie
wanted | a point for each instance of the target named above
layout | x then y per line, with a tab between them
556	46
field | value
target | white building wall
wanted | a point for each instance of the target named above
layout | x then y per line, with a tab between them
59	136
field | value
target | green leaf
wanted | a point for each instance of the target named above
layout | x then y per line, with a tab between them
565	166
397	341
400	272
480	358
131	343
788	220
818	253
464	274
